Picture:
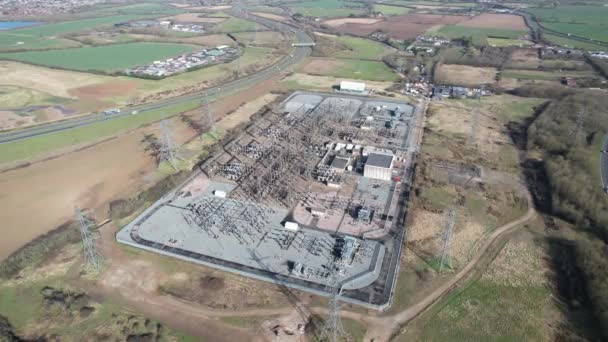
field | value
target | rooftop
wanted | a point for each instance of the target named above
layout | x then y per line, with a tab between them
380	160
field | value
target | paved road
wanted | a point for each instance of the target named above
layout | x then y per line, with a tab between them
245	82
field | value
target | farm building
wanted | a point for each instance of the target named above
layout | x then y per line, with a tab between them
378	166
352	87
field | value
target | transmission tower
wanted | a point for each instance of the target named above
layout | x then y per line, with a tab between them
207	117
447	236
474	123
92	259
334	330
575	132
237	65
167	146
255	34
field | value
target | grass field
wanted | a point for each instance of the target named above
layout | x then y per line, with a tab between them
73	26
326	12
360	48
37	145
572	14
24	149
143	8
365	70
391	10
591	31
17	97
327	4
479	36
101	58
544	75
485	312
45	36
583	21
507	42
431	3
235	25
327	8
9	42
571	43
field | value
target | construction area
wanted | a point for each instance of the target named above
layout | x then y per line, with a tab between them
311	196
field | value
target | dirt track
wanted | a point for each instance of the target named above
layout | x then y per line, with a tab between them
389	325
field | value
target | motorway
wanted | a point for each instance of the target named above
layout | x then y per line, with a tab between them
241	83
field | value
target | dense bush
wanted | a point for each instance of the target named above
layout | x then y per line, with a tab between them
571	163
122	208
40	249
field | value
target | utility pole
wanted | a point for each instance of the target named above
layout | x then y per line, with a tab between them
447	237
92	259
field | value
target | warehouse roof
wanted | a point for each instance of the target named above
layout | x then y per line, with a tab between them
380	160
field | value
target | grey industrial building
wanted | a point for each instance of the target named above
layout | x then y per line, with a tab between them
379	166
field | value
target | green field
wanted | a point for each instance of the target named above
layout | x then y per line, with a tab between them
391	10
365	70
327	4
17	97
507	42
327	8
326	12
579	20
9	42
591	31
40	144
484	312
572	14
360	48
101	58
236	25
73	26
571	43
144	8
543	75
478	36
431	3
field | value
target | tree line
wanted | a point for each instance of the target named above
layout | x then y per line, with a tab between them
570	133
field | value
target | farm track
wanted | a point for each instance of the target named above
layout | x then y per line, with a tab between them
245	82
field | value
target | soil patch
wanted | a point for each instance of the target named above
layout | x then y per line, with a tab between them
271	16
210	40
101	91
464	75
9	120
363	21
51	81
321	66
402	26
195	18
90	177
496	21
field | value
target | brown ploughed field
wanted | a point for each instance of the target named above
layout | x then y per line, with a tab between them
497	21
402	26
